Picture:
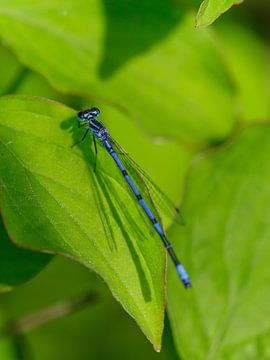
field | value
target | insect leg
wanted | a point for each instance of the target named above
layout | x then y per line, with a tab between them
96	151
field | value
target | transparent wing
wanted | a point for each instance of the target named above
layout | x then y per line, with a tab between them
159	201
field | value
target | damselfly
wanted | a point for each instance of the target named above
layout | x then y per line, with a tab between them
99	132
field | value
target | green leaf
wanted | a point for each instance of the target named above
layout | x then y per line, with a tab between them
51	194
249	69
8	346
225	247
150	52
210	10
17	265
10	69
63	280
8	349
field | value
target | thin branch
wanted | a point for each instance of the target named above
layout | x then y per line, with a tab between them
54	312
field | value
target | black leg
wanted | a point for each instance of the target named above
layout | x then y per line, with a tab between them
95	145
84	136
80	125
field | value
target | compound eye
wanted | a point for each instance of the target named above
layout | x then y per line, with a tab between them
83	115
94	111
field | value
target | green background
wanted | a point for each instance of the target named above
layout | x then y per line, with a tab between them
190	103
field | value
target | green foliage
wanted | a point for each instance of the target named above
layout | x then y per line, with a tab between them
61	206
227	251
8	350
165	61
188	104
17	265
52	201
210	10
102	330
249	70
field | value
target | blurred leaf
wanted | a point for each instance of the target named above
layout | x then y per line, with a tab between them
8	350
210	10
250	69
51	194
17	265
17	79
255	348
101	331
36	84
11	70
8	347
227	204
144	57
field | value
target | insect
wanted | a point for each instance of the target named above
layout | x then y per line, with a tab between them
125	164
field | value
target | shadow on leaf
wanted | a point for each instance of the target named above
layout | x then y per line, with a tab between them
111	210
132	27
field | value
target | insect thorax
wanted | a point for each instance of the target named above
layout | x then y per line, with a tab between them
98	129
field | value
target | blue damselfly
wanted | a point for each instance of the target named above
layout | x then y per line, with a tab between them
99	132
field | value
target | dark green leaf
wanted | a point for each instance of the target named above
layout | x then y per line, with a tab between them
17	265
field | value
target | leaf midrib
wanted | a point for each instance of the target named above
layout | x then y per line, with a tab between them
26	169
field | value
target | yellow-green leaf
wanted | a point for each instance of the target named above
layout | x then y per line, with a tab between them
210	10
226	247
52	201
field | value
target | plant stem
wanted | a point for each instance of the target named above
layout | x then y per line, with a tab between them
54	312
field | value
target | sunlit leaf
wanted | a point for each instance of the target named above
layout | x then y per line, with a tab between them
247	57
11	70
210	10
145	57
226	247
53	201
